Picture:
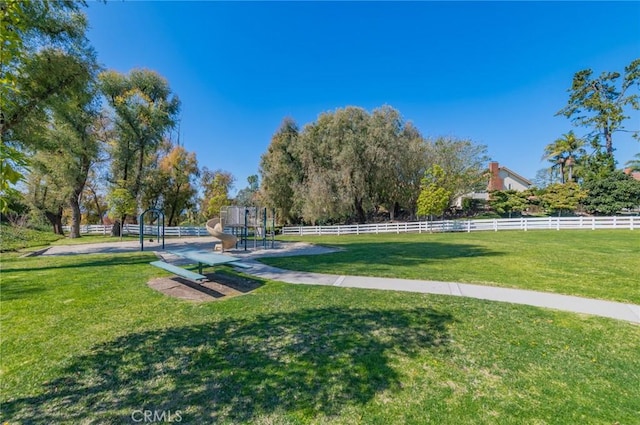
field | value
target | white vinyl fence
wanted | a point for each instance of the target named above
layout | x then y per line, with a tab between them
134	229
525	224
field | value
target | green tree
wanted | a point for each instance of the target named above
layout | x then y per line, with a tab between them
178	170
216	186
45	191
599	103
249	195
562	197
144	111
612	193
397	161
508	201
434	197
463	162
281	171
44	56
564	153
634	164
121	203
597	165
93	200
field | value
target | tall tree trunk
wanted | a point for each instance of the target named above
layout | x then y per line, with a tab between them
360	216
76	216
74	201
116	229
608	141
97	202
55	218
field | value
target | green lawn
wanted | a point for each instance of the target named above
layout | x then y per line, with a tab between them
84	340
597	264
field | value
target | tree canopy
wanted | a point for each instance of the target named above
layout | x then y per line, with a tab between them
600	102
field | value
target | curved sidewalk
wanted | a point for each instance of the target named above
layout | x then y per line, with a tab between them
611	309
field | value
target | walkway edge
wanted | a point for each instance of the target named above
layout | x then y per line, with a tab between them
595	307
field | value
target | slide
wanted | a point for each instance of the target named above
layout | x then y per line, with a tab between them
215	229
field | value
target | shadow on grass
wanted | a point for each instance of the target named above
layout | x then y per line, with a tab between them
78	261
10	291
384	254
304	363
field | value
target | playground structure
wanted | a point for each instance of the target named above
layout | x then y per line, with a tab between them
159	224
245	223
215	229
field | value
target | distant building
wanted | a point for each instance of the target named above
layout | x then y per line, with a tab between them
500	178
634	174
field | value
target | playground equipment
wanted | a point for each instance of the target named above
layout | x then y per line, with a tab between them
245	222
215	229
159	223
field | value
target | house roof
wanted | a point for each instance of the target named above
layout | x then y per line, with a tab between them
527	181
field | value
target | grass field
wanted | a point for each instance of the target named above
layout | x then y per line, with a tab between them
84	340
13	238
597	264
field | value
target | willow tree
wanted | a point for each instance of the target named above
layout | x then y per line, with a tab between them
42	59
281	171
463	162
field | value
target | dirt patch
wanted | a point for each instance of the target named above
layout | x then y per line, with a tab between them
218	286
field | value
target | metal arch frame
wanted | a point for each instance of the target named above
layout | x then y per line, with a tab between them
141	221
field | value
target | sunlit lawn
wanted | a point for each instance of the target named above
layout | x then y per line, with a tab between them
84	340
598	264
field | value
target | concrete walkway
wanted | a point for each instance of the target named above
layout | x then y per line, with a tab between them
611	309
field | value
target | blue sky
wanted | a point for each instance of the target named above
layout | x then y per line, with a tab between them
493	72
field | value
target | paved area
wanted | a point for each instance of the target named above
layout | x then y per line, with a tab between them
615	310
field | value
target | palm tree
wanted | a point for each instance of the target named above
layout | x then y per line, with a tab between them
565	152
634	164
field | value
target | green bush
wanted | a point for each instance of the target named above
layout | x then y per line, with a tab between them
13	238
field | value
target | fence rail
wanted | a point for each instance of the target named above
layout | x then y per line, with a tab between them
524	224
134	229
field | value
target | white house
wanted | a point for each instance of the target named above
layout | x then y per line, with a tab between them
500	178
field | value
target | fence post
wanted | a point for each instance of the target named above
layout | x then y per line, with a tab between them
495	225
526	223
468	226
593	223
631	223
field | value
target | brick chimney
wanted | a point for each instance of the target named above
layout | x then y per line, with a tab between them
495	182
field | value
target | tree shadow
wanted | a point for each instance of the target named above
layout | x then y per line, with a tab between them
79	261
309	362
10	291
